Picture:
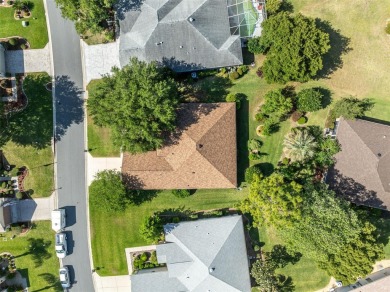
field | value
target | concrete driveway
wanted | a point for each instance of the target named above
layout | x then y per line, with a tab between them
25	61
96	164
112	284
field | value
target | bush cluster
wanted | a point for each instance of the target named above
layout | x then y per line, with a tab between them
145	260
302	120
234	97
181	193
251	172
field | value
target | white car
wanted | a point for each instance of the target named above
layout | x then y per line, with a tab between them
61	245
64	277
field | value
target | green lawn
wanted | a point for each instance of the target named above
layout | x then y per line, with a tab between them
111	234
30	135
40	266
306	276
100	142
35	32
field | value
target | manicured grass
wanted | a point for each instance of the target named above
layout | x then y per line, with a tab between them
306	276
30	135
39	266
35	32
100	138
112	233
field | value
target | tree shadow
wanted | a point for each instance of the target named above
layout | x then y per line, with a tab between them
137	197
123	6
242	138
287	6
326	96
33	126
38	248
285	284
339	46
52	281
69	105
281	257
180	65
353	191
211	89
266	168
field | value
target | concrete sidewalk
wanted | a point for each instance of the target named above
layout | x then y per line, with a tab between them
96	164
112	284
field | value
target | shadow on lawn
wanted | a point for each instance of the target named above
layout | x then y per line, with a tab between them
242	139
339	46
33	126
52	281
38	249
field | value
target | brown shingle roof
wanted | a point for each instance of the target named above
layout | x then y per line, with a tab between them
202	154
362	169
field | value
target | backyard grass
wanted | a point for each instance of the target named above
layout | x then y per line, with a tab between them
112	233
35	32
31	132
39	266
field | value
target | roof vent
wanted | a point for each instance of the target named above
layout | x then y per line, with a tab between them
379	154
159	43
181	47
191	19
384	136
211	270
200	145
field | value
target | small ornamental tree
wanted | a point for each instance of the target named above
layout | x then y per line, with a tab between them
351	108
273	6
276	103
151	228
251	172
309	100
107	193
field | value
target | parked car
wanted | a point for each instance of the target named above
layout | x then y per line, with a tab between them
58	221
64	277
61	245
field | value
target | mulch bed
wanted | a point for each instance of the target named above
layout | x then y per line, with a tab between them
20	43
21	103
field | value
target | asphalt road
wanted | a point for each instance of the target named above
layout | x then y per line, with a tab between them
69	136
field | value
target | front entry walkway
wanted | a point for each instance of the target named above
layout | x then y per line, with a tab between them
112	284
28	61
96	164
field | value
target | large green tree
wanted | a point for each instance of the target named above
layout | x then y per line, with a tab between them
107	192
351	107
294	45
89	15
356	258
272	200
328	224
138	102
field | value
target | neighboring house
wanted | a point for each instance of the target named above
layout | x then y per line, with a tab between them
375	282
201	154
184	35
15	211
2	61
203	255
362	169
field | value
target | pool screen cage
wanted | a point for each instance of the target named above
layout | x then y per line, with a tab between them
245	16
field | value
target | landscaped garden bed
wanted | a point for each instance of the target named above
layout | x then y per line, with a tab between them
15	43
144	260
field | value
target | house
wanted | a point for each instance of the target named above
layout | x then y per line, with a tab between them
362	169
202	154
378	282
184	35
202	255
2	61
15	211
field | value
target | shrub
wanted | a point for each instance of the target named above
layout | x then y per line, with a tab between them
12	41
351	107
19	195
276	103
309	100
254	144
233	97
256	248
302	120
243	68
269	127
239	71
233	75
260	117
144	257
181	193
295	116
254	155
222	71
329	123
285	161
387	29
259	72
153	258
273	6
151	228
252	171
23	46
256	46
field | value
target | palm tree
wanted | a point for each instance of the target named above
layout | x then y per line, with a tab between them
18	5
299	144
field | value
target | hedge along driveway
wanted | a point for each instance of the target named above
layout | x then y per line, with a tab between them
35	32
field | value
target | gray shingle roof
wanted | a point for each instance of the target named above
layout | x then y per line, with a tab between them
362	169
215	258
185	35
